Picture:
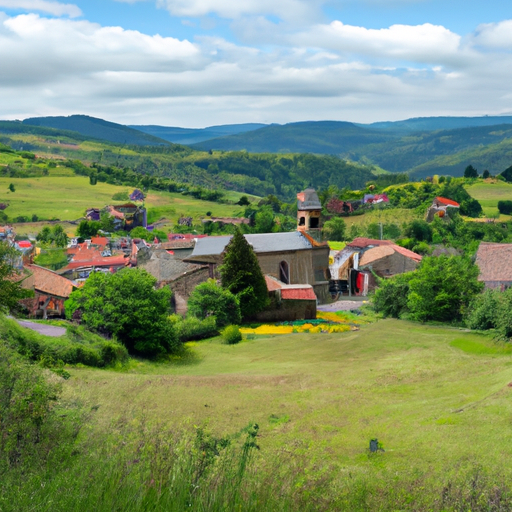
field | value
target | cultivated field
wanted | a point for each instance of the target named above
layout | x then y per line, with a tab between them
437	398
488	193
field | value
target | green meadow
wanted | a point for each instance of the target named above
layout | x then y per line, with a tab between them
66	197
488	193
438	399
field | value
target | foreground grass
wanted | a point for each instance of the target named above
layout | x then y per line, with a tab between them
437	398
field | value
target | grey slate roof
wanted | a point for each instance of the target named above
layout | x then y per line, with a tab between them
265	242
310	202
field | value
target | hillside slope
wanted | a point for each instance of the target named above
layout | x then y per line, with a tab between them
195	135
322	137
97	129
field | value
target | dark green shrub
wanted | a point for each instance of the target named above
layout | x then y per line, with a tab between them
210	299
390	299
231	335
442	288
192	328
505	207
483	311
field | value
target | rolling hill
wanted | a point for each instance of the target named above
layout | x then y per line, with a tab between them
195	135
322	137
95	128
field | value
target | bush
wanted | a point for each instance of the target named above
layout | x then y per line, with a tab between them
232	335
209	299
505	207
78	346
390	299
483	311
192	328
442	288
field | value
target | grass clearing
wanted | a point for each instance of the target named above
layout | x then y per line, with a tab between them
488	193
436	397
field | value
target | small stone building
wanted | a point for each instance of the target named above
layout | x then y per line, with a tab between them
495	264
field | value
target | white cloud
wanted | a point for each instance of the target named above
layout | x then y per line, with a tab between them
421	43
335	71
54	8
495	35
37	50
284	9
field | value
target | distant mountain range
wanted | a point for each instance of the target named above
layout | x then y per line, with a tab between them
420	146
194	135
97	129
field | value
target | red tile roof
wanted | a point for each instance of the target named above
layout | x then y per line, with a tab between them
110	261
99	240
273	284
24	243
298	294
49	282
406	252
85	254
447	202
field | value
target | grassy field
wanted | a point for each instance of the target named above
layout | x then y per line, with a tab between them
437	398
394	215
488	193
66	197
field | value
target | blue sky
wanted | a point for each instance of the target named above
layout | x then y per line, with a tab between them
196	63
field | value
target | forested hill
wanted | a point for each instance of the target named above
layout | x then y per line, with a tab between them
321	137
194	135
98	129
442	152
421	153
438	123
175	166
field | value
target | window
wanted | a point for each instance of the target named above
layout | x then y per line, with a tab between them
314	222
302	221
284	272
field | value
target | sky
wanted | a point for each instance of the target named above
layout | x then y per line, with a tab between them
197	63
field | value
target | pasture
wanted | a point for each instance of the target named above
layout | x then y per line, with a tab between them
437	398
488	193
66	197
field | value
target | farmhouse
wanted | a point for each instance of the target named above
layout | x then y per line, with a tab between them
440	207
495	264
353	268
50	289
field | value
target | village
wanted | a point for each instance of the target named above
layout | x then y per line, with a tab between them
302	273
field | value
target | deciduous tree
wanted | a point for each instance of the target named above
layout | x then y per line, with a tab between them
127	305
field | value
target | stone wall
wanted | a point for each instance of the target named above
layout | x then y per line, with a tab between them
184	285
288	310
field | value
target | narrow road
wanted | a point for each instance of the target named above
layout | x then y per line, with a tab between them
47	330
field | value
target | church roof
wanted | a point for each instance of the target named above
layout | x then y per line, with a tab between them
261	243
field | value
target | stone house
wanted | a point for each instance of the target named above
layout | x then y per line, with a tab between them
353	268
50	292
495	264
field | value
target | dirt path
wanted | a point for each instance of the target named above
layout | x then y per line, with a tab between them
47	330
342	305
